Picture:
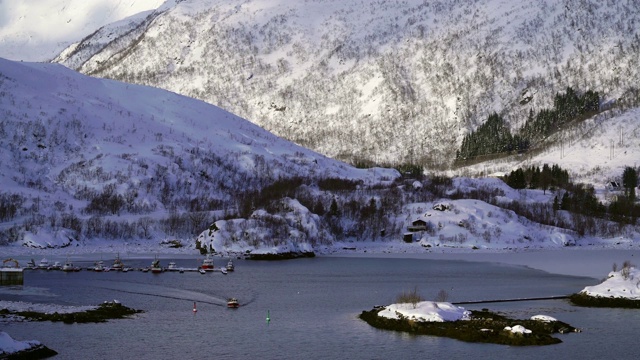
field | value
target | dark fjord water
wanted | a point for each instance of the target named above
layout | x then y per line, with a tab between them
313	306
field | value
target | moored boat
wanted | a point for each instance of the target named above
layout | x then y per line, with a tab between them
43	264
207	263
172	266
68	266
117	264
202	271
233	303
155	266
98	266
230	265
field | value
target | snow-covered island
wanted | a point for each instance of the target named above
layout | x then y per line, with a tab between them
619	289
29	349
11	311
448	320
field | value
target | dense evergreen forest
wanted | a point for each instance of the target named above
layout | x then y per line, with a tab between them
494	137
579	198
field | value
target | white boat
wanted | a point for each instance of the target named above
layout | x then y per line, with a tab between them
68	266
98	266
43	264
117	264
230	265
56	266
223	271
172	266
202	271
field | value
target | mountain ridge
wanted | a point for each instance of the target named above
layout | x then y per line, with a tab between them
380	82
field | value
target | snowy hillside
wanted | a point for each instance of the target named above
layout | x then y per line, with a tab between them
36	30
85	158
96	164
618	284
383	81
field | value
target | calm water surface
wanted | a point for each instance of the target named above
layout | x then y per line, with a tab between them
313	306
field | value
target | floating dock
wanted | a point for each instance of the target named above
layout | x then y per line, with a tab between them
557	297
11	276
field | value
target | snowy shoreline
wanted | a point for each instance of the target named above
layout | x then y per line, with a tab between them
590	261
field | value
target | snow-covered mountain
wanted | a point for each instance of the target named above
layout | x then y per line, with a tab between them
111	164
383	81
37	30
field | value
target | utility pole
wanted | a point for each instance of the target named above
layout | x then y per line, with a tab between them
621	143
611	149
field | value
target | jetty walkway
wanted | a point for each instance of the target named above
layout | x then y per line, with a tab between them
558	297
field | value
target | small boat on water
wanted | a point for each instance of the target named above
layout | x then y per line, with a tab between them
155	266
56	266
117	264
31	264
202	271
207	263
43	264
230	265
68	266
98	266
223	271
233	303
172	266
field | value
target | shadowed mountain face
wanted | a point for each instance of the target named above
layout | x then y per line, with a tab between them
378	81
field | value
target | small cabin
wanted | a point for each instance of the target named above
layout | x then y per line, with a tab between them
408	237
417	225
613	186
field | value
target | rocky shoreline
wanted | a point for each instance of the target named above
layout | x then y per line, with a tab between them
281	256
581	299
102	313
36	352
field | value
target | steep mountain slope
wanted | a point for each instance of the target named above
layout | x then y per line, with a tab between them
383	81
78	152
38	30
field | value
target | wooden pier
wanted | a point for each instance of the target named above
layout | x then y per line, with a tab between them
11	276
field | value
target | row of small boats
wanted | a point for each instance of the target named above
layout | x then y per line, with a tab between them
118	265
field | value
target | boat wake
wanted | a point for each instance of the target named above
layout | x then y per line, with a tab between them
169	293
